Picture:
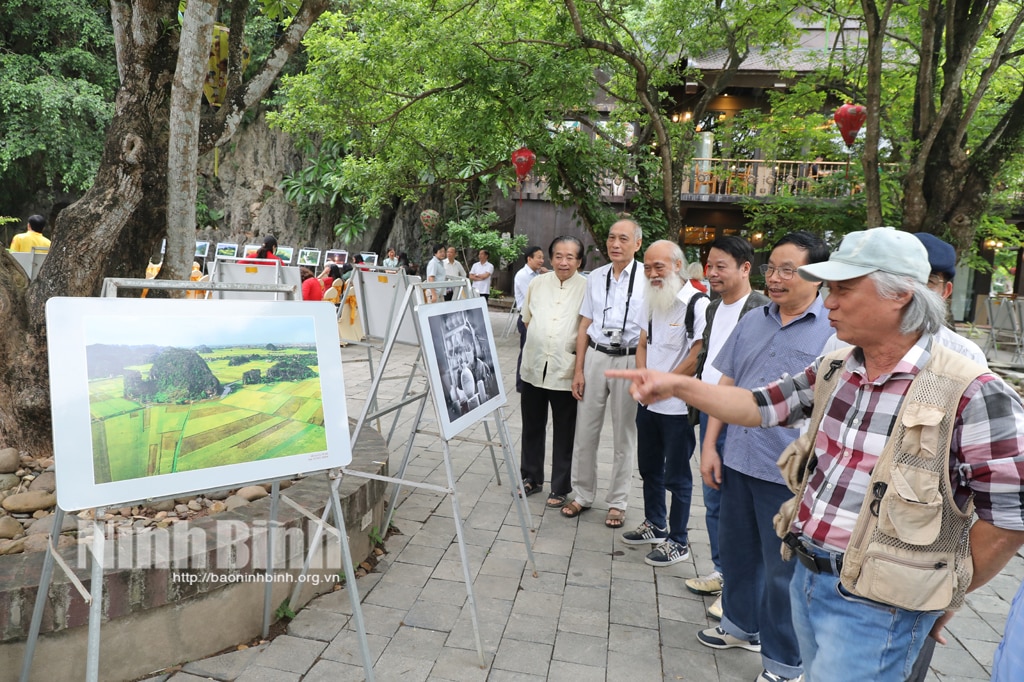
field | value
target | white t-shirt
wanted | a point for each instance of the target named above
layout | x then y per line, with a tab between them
668	344
726	317
482	286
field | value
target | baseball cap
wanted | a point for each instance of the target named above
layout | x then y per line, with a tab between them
941	256
880	248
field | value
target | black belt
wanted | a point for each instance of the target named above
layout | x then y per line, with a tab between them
832	564
611	350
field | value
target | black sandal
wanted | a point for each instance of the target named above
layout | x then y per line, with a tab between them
530	487
555	501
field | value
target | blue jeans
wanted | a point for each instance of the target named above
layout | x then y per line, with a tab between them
712	497
664	445
755	600
1009	659
863	639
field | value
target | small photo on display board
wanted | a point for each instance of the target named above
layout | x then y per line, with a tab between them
369	257
285	253
156	398
250	250
227	250
462	362
336	256
202	249
309	257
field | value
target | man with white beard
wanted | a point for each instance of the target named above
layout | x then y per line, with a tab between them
675	313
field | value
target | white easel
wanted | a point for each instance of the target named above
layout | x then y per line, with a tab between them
94	597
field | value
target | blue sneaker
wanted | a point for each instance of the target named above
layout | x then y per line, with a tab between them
667	553
644	534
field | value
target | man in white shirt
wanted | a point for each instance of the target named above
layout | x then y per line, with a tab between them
551	310
534	266
435	273
728	273
675	313
608	334
453	270
480	274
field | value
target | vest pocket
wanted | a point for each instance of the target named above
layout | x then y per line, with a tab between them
912	511
922	429
918	581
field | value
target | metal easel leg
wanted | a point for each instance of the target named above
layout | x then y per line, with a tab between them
490	446
395	489
462	551
268	586
522	509
45	578
350	575
92	666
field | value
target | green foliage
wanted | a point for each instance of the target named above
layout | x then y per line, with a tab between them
828	218
56	94
375	537
284	610
475	233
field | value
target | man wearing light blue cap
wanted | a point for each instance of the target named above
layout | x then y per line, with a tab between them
908	442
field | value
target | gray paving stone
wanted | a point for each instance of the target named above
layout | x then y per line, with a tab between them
551	584
225	666
460	665
332	671
953	660
580	649
395	597
379	620
395	666
536	603
432	615
586	597
255	673
313	623
451	592
584	621
640	591
345	648
523	657
563	670
531	628
505	567
291	654
418	643
421	555
634	613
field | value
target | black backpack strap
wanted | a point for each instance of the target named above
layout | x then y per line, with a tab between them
688	320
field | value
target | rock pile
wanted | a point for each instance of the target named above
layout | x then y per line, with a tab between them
28	498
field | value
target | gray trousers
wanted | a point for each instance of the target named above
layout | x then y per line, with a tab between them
599	393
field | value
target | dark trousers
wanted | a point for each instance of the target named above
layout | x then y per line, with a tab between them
519	361
534	405
664	445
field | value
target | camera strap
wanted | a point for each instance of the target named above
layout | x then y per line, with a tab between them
629	295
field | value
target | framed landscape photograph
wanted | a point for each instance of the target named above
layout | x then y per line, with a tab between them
202	249
462	362
285	253
309	257
336	256
227	250
250	250
155	398
369	257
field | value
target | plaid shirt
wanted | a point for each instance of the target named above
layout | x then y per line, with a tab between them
986	451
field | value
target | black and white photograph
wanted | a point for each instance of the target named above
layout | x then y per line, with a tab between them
464	373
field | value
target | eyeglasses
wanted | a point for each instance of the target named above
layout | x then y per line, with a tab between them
783	273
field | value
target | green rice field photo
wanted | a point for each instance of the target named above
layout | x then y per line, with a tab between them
214	398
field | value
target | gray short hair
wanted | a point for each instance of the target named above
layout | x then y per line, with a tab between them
638	233
926	311
676	253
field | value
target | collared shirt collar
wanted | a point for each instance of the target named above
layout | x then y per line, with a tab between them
816	308
912	362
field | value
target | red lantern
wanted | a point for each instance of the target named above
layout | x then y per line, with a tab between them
850	118
523	160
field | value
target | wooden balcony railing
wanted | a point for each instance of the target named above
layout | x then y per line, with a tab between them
727	180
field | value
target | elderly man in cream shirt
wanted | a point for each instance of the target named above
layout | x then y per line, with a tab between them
551	313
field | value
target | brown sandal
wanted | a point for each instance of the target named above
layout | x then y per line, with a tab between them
615	518
573	509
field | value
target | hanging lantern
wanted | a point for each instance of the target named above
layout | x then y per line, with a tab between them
523	159
430	218
850	118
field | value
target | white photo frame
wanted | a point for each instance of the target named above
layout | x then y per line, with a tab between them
285	253
309	257
225	250
129	436
462	362
202	249
335	256
250	250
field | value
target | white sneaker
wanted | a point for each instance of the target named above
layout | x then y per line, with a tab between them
715	610
708	584
717	638
766	676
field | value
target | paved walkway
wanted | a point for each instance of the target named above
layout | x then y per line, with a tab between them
594	612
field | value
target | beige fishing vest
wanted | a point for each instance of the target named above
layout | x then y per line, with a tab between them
910	546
